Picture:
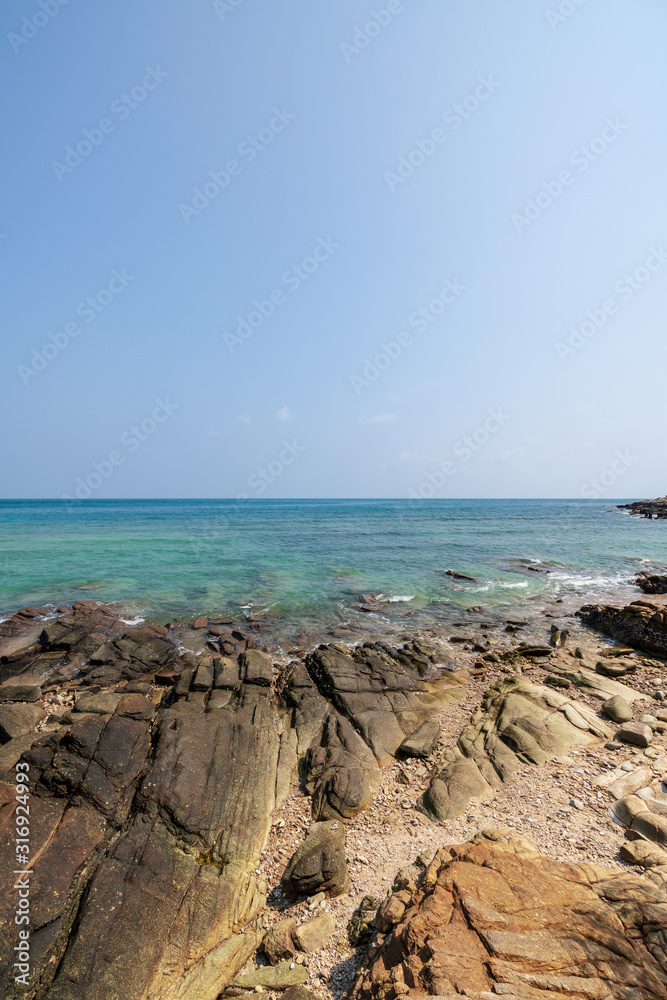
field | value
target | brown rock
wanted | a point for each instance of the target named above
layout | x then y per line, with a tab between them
314	934
278	942
635	733
200	623
499	918
318	864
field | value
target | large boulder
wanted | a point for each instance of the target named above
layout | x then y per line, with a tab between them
495	917
319	863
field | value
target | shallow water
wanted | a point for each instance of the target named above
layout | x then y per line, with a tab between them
304	562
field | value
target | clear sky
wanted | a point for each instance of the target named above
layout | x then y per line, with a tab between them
333	249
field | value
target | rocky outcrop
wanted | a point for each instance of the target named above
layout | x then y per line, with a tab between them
641	625
518	723
652	583
152	787
647	508
495	917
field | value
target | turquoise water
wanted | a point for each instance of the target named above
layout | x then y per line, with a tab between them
306	562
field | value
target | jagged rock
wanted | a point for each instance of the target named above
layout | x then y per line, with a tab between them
421	743
617	709
642	625
18	720
278	942
339	772
652	583
517	723
499	918
278	977
647	508
314	934
318	864
392	910
636	733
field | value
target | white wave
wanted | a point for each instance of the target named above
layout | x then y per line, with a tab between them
392	600
132	621
511	586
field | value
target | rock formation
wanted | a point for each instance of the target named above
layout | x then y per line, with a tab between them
495	917
647	508
642	625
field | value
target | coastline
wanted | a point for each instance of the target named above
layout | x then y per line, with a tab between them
87	665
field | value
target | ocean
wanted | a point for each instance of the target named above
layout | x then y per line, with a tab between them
302	564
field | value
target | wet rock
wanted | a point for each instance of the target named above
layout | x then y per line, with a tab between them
18	720
318	864
314	934
200	623
496	917
460	576
652	583
617	709
635	733
421	743
278	942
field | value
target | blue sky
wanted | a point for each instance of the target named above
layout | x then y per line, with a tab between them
471	195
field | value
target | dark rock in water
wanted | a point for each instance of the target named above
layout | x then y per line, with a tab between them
200	623
652	583
422	742
319	864
641	625
460	576
647	508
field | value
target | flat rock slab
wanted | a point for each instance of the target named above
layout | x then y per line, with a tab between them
278	977
494	917
18	720
20	692
421	743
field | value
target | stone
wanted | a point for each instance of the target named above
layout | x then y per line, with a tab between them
256	667
278	942
518	723
652	583
615	668
278	977
643	853
100	704
203	676
421	743
392	910
361	925
617	709
314	934
635	733
299	993
18	720
319	863
200	623
494	917
20	692
227	674
641	625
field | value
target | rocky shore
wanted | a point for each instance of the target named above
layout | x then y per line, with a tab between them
479	812
647	508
